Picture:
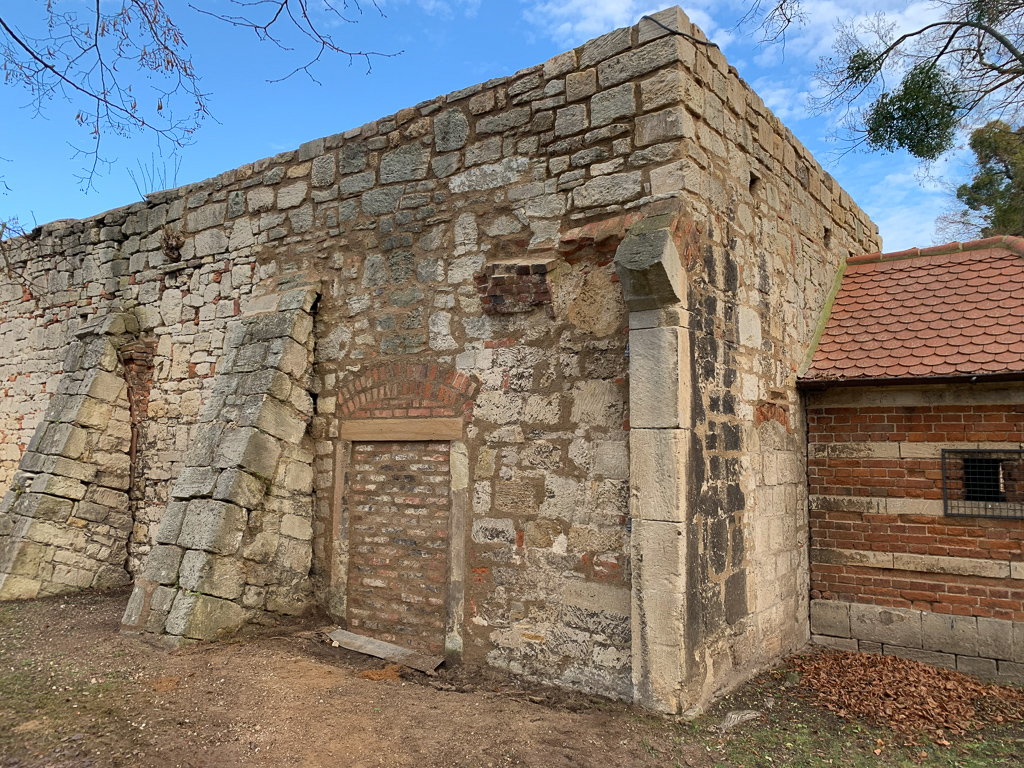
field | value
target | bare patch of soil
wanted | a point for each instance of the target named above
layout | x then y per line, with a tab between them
74	693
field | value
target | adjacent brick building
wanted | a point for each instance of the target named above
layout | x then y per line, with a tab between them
915	413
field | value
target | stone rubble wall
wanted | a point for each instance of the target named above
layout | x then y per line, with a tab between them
416	223
65	519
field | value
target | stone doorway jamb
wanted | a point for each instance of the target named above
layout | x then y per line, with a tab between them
661	433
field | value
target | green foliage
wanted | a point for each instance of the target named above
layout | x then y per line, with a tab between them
921	115
862	66
997	189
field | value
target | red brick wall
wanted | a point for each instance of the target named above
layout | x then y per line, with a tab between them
909	478
398	545
865	478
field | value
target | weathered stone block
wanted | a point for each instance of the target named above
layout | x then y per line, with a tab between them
55	485
170	522
613	103
407	163
212	575
660	394
213	526
451	128
240	488
839	643
203	617
659	613
655	55
660	466
946	660
986	669
162	564
323	171
995	639
195	482
949	634
830	617
494	531
608	190
890	626
248	448
649	269
668	124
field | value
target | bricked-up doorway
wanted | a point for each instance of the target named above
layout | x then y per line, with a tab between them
399	505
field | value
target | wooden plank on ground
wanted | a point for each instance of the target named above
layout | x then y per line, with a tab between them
382	650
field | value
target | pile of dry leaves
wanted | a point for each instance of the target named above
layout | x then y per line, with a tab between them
905	695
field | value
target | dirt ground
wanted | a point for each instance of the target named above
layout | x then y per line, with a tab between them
75	693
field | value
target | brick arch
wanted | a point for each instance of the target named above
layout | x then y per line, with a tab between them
408	390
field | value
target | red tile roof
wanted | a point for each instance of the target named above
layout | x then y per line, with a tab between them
947	311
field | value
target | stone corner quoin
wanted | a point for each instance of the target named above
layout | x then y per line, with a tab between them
557	301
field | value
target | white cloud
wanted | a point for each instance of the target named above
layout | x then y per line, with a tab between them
575	21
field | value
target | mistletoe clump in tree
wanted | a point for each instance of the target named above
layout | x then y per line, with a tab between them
915	90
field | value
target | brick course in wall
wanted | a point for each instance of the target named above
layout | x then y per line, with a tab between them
398	550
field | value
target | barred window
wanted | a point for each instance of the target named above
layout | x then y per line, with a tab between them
982	483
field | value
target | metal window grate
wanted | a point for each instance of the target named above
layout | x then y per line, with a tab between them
980	483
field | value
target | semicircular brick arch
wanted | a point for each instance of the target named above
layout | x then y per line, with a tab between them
408	390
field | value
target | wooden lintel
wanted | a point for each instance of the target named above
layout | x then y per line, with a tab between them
402	429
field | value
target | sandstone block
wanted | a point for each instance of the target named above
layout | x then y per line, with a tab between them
839	643
660	483
195	482
162	564
579	85
613	103
949	634
203	617
660	394
293	195
212	575
248	448
503	121
240	488
655	55
570	120
407	163
604	47
946	660
830	617
995	639
55	485
891	626
170	522
986	669
451	128
649	267
213	526
668	124
608	190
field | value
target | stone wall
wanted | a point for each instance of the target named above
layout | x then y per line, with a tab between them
468	254
890	572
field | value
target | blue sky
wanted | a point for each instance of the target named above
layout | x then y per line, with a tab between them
445	45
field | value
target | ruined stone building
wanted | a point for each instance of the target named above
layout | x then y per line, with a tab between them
509	375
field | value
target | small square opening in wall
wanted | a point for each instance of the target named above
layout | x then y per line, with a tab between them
983	483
